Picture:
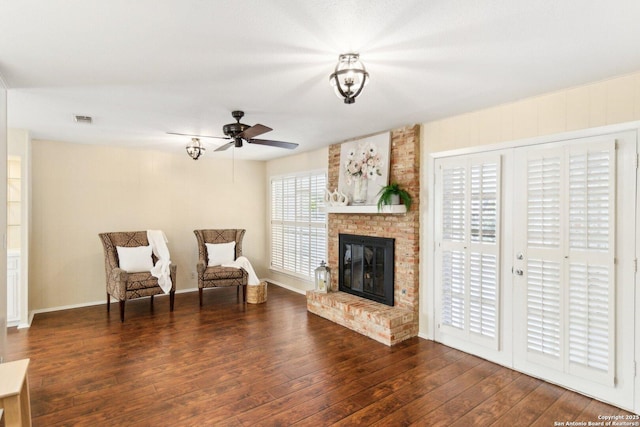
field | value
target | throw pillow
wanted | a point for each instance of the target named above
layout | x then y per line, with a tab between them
220	253
135	259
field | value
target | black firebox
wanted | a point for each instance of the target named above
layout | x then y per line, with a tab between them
366	267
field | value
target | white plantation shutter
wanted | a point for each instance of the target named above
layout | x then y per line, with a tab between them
570	295
483	267
543	308
591	180
591	256
453	289
483	295
468	242
484	199
543	204
454	200
589	331
277	228
544	269
318	218
298	223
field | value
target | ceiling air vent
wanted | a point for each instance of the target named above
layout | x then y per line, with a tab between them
83	119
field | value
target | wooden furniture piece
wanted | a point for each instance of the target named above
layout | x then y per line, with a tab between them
217	276
123	285
14	393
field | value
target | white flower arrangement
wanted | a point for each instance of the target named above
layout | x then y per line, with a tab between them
363	162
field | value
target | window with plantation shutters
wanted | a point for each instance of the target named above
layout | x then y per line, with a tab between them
298	223
570	283
467	253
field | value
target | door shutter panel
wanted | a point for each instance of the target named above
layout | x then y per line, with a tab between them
591	261
453	259
483	295
570	276
483	267
453	289
544	298
454	200
543	309
468	241
543	201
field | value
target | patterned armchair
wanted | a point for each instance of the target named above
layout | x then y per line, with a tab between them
218	276
123	285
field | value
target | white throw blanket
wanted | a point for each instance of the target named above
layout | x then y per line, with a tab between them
158	242
243	262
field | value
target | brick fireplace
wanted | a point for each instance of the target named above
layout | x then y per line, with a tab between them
388	325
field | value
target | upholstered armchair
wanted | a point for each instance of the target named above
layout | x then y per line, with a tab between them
124	285
217	275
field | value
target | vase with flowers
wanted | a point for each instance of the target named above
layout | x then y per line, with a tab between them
363	164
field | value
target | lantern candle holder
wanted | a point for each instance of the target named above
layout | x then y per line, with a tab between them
323	278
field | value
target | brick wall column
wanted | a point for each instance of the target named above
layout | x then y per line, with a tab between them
405	170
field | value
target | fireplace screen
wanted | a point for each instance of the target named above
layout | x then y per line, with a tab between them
366	267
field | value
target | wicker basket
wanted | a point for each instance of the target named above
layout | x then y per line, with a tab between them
257	294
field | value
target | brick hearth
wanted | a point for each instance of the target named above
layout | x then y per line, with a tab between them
389	325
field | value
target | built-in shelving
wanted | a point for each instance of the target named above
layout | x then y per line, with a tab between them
367	209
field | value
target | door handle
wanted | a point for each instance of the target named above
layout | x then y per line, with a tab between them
518	271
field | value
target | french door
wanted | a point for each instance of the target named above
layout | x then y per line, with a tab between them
468	253
541	277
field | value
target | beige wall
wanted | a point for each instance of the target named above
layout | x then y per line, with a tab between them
608	102
81	190
309	161
603	103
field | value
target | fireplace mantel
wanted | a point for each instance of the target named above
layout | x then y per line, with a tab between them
367	209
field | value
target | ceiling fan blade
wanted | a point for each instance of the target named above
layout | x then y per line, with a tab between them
254	130
225	146
280	144
197	136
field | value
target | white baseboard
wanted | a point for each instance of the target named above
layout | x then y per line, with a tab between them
424	336
92	303
85	304
282	285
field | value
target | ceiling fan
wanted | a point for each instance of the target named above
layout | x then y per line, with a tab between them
237	133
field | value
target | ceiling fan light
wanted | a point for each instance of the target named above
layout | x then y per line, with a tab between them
349	77
194	148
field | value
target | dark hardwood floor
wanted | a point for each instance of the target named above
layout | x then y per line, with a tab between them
271	364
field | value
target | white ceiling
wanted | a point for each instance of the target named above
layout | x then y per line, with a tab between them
142	68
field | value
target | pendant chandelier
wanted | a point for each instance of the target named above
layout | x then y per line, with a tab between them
195	148
349	77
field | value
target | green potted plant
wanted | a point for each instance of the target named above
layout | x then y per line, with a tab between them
392	194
